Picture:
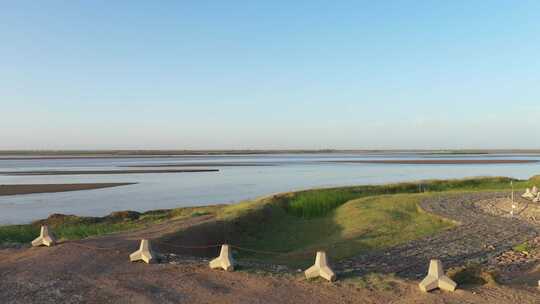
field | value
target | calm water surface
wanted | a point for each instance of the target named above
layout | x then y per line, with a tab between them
230	184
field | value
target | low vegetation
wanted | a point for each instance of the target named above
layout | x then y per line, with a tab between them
357	226
70	227
375	282
319	202
524	247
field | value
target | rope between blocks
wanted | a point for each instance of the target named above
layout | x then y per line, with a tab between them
186	247
257	251
95	247
218	245
127	247
174	245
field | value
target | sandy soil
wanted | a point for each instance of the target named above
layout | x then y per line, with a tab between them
440	161
81	172
97	270
48	188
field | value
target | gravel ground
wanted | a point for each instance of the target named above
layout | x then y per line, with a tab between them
478	237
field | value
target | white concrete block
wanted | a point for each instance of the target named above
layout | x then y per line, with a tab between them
436	278
144	253
45	238
225	260
320	268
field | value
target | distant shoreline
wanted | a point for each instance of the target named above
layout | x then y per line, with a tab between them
439	161
83	154
52	188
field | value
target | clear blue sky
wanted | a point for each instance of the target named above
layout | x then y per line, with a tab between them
269	74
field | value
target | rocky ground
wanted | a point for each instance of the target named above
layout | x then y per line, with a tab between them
478	237
502	206
512	264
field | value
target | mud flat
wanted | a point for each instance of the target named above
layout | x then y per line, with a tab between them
49	188
83	172
440	161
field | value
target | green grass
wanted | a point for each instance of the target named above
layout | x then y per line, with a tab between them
26	233
357	226
70	227
18	233
345	221
523	247
319	202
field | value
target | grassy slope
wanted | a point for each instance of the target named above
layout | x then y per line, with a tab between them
347	221
359	225
318	202
73	227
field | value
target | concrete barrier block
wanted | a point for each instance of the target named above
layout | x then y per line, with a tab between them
528	194
436	278
320	268
144	253
225	260
45	238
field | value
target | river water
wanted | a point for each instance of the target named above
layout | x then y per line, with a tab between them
280	173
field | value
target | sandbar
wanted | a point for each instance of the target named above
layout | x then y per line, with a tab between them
83	172
201	164
49	188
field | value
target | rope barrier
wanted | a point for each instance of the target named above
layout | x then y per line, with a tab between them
186	247
95	247
257	251
177	246
117	248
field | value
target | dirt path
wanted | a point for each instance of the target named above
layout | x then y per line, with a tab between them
478	237
90	271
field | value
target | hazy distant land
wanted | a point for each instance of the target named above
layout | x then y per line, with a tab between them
68	154
438	161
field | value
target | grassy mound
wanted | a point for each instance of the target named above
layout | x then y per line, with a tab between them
357	226
343	221
535	180
319	202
